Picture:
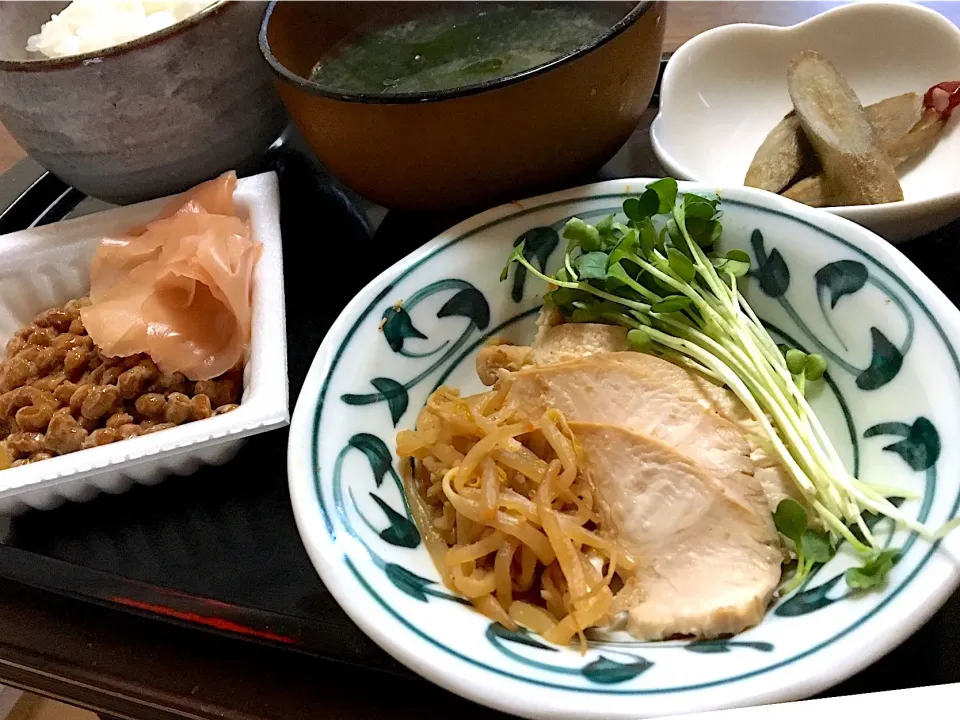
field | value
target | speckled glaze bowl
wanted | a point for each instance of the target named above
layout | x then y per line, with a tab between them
473	145
146	118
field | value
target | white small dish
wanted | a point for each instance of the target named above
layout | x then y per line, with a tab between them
725	89
892	339
47	266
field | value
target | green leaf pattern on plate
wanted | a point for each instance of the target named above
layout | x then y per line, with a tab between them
836	280
772	272
917	443
539	244
884	364
467	302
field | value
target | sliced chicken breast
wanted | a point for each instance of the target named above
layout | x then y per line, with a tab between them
777	486
636	392
559	343
562	343
688	393
555	342
571	341
709	563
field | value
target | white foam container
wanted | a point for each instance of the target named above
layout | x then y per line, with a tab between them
47	266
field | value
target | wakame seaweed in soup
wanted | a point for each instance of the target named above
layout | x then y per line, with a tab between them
462	44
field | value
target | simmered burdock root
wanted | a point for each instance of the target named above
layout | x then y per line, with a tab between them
901	128
894	117
785	155
856	169
779	158
813	191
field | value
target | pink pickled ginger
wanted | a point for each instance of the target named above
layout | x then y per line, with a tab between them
180	287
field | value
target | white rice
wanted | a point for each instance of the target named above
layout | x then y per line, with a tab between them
89	25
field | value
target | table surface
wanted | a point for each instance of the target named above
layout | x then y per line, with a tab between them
122	665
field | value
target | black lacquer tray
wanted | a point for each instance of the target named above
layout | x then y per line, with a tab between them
219	550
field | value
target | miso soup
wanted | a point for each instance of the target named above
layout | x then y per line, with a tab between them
462	44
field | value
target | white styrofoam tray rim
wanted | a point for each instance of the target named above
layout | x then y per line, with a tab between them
264	407
100	459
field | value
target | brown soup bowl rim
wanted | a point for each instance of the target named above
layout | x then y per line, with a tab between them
636	12
96	56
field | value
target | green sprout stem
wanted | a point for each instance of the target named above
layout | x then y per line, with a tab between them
823	465
708	326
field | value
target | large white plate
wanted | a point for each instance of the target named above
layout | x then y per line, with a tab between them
891	406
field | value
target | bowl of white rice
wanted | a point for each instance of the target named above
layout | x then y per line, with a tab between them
86	26
128	101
